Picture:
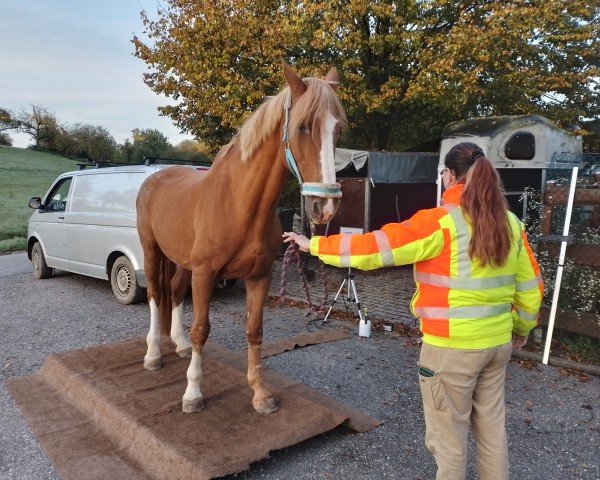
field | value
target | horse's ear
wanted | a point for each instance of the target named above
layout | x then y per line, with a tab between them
296	84
332	78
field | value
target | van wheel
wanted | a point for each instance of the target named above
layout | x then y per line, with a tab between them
40	268
124	282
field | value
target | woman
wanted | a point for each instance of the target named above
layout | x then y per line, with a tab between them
478	286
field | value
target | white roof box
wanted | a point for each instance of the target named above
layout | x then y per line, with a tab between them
522	141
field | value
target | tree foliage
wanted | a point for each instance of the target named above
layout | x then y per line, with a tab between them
41	125
5	139
407	67
7	120
148	142
94	143
91	142
190	151
6	123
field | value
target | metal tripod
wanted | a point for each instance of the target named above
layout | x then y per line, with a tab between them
351	295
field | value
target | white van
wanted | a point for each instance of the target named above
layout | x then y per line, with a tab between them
86	224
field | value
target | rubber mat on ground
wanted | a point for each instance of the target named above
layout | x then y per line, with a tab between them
99	414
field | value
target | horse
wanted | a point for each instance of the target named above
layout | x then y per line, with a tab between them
221	223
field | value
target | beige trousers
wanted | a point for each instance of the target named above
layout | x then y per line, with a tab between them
467	390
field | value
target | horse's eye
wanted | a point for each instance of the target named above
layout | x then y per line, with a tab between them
303	128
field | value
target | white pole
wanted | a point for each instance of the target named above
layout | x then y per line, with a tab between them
559	270
439	189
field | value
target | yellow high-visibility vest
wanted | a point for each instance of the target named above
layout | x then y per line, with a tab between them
459	303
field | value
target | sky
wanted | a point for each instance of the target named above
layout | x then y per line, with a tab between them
75	58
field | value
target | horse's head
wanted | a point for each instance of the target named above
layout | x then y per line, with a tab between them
313	121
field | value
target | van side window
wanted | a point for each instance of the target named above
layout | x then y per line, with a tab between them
57	200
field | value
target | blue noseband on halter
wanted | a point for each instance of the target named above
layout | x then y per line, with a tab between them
313	189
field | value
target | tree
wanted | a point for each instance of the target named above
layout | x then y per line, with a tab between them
6	123
7	120
191	151
80	140
92	142
40	124
407	67
148	143
591	141
124	152
5	139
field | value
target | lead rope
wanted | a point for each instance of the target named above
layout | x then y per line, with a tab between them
292	255
322	310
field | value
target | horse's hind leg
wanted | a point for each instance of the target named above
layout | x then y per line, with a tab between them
202	286
256	294
179	285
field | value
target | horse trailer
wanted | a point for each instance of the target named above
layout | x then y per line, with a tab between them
521	147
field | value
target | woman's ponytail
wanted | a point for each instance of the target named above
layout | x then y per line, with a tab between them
483	203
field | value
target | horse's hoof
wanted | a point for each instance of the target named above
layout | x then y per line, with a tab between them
152	363
192	406
267	405
184	352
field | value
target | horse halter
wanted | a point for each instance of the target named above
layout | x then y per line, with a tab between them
313	189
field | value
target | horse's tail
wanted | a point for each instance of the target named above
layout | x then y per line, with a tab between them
166	272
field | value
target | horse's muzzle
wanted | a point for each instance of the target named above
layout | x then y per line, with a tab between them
321	210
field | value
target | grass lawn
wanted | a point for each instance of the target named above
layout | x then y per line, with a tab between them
24	174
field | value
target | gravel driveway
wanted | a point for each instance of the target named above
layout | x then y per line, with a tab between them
552	414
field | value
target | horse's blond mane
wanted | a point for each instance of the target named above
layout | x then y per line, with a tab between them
312	105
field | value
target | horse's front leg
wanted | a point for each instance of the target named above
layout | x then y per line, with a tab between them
152	259
256	293
202	285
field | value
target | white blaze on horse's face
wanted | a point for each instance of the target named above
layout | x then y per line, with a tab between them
322	209
328	164
328	149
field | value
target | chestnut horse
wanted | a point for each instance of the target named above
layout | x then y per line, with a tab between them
205	226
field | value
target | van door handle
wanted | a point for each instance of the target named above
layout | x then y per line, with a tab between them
61	217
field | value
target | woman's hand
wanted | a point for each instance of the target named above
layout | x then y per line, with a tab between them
302	242
518	341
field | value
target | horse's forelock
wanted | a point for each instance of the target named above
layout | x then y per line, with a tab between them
312	106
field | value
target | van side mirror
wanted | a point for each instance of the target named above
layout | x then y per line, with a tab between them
35	203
